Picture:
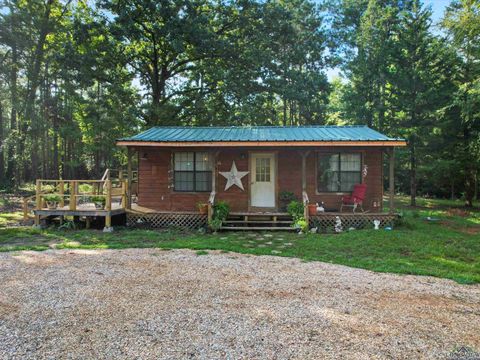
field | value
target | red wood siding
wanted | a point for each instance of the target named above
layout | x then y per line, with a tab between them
155	182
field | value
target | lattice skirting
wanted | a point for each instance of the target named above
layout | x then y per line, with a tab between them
326	222
160	220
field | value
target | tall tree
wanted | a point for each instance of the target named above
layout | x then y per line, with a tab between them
413	82
462	24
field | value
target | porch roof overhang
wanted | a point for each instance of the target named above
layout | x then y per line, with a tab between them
259	143
261	136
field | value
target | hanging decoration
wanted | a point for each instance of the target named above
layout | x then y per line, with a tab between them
234	177
365	171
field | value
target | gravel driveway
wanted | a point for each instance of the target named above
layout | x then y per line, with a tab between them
151	304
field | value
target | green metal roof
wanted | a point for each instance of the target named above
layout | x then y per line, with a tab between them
259	134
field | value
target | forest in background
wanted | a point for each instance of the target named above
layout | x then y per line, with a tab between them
75	75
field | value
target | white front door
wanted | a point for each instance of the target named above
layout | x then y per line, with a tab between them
262	187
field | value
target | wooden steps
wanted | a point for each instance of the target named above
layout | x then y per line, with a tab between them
258	228
266	221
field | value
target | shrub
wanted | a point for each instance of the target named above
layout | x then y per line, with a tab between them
85	188
98	199
221	210
295	209
301	224
215	224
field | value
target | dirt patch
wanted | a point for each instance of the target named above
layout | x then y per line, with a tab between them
471	229
458	212
151	304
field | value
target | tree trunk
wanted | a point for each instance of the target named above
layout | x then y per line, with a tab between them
452	190
2	163
468	169
11	178
33	78
413	173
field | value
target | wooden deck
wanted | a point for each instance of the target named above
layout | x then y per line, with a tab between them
81	210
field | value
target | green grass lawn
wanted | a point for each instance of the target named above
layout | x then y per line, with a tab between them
448	247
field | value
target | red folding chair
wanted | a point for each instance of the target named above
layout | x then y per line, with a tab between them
356	199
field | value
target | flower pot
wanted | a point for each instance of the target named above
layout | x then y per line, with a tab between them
51	205
312	209
203	209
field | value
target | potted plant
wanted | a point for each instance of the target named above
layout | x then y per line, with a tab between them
220	213
215	225
202	208
99	201
301	225
312	209
295	209
52	200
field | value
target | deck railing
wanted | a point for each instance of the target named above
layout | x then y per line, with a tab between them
75	193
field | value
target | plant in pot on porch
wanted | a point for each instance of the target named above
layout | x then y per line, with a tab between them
220	214
99	201
202	208
295	209
52	200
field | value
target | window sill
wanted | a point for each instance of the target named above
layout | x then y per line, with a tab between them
191	192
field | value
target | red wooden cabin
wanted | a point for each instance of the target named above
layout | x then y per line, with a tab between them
180	167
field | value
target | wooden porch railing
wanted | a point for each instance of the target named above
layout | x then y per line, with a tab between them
70	192
119	174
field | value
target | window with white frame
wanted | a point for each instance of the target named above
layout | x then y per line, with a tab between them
338	172
192	171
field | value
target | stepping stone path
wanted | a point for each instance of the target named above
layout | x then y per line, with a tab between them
288	244
223	238
268	235
269	243
276	252
261	245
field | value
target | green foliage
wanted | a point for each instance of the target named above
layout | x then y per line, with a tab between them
52	198
295	209
286	196
98	199
220	213
68	225
201	205
221	210
85	188
215	224
301	224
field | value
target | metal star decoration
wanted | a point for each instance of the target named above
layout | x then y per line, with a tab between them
234	177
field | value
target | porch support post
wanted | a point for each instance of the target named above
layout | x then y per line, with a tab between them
129	177
304	155
214	170
211	199
391	178
38	200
